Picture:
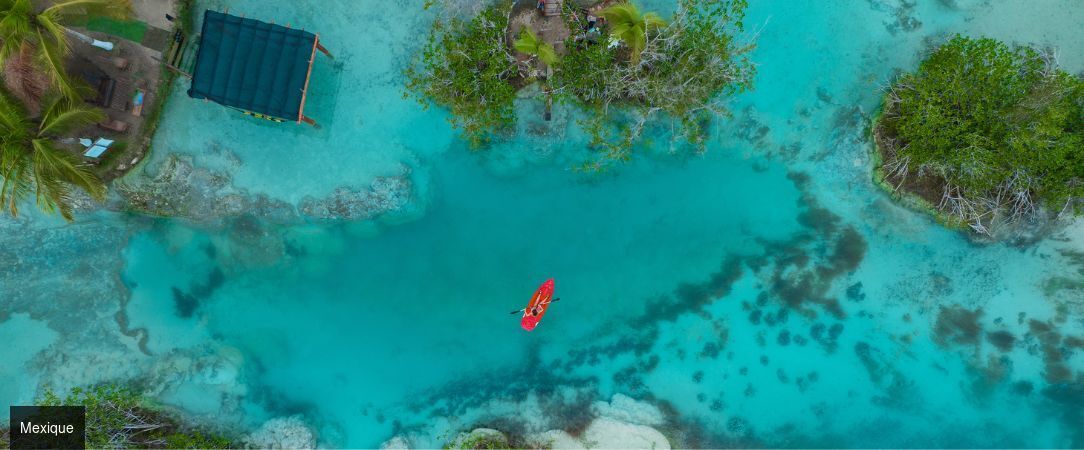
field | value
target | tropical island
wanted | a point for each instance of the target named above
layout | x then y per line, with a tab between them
623	67
985	135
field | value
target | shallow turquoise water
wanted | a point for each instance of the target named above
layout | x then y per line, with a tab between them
681	278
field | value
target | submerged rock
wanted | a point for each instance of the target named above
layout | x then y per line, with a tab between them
620	423
397	442
281	433
624	408
555	439
181	189
605	432
345	203
480	438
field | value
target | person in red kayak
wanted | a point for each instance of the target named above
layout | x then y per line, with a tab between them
539	307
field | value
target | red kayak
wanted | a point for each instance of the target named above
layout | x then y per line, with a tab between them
539	303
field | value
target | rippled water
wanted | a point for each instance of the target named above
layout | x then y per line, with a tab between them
765	294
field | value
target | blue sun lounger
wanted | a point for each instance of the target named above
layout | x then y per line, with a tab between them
98	148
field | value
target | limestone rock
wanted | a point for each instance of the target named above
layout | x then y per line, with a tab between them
397	442
625	409
480	438
605	432
282	433
556	439
384	195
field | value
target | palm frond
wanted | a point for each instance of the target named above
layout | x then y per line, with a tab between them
52	59
621	12
631	25
527	42
49	22
14	169
15	27
547	54
637	40
64	168
653	20
55	172
619	28
114	8
14	125
24	79
61	116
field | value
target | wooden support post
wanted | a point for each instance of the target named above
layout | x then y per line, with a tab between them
305	91
320	47
179	71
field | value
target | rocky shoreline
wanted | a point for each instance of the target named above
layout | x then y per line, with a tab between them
623	422
184	190
905	197
1023	233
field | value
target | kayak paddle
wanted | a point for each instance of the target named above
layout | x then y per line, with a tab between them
524	309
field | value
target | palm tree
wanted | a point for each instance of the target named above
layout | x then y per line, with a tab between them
631	25
27	33
25	80
529	43
31	160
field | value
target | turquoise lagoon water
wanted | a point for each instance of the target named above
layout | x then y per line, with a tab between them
765	293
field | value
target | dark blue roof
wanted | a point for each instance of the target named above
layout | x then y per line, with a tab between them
252	65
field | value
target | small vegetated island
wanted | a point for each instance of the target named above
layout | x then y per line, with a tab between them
627	69
985	135
119	417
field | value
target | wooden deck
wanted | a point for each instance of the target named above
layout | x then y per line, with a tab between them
553	7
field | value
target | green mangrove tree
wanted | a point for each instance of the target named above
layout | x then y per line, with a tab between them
627	72
989	134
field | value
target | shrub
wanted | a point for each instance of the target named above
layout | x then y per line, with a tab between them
117	417
466	67
1000	129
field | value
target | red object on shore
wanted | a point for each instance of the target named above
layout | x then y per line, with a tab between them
541	299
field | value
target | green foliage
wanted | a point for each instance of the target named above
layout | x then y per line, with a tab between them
106	407
32	162
688	69
480	441
582	72
1003	127
681	71
631	26
196	440
132	30
529	43
117	417
466	67
25	30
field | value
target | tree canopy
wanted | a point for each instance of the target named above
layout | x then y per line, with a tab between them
1001	128
530	44
681	71
29	34
117	417
466	67
683	75
631	26
32	162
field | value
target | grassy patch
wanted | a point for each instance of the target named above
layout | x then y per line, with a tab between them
132	30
